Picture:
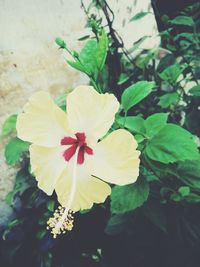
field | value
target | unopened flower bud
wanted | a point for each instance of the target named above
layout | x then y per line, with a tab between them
60	42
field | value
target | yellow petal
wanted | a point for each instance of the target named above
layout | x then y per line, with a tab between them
47	164
42	122
89	190
91	112
116	159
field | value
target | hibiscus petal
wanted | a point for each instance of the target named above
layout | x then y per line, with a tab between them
47	164
42	122
116	159
89	190
91	112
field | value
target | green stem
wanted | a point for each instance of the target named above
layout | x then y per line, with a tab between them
95	84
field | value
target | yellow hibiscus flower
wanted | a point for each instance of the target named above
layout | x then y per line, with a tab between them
67	156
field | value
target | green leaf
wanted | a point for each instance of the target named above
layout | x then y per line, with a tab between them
133	123
195	91
183	20
143	59
139	15
193	198
87	57
78	66
139	138
189	172
129	197
172	144
186	35
184	191
101	51
22	182
166	61
14	150
92	56
122	78
184	44
15	222
148	174
154	123
172	73
176	197
85	37
9	125
135	93
168	99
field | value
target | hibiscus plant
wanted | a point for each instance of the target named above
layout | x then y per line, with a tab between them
112	168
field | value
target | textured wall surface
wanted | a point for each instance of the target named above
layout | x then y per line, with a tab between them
30	60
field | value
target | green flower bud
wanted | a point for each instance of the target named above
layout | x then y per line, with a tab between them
60	42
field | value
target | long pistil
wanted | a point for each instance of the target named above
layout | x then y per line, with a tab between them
63	218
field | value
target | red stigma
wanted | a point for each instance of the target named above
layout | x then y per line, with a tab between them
76	143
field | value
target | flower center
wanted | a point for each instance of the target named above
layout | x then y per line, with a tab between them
76	143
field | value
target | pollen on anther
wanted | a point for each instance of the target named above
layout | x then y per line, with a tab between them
66	225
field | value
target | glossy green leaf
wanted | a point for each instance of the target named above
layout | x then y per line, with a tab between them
172	143
183	20
129	197
92	56
172	73
133	123
135	93
139	15
154	123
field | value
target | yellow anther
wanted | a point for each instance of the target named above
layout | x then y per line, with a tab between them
59	226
